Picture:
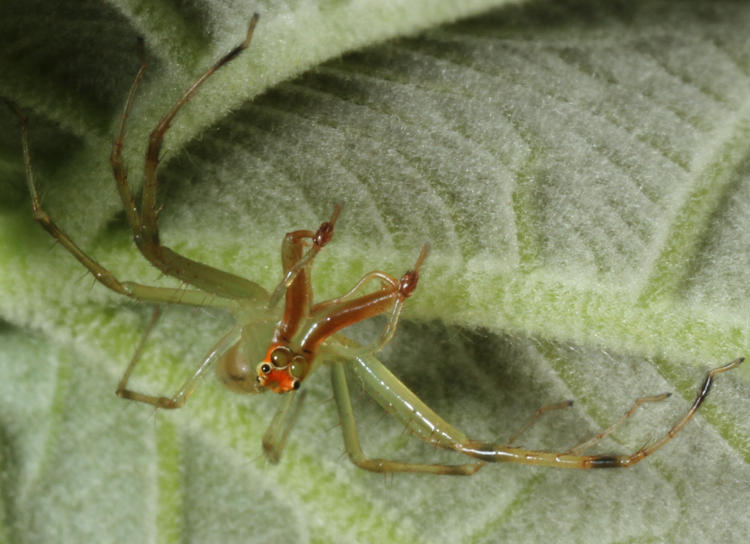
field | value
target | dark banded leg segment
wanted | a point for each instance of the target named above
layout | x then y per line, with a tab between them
500	453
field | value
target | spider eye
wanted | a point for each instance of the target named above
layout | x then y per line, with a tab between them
298	366
280	356
265	368
296	384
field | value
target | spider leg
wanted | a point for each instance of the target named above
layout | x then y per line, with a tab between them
115	157
274	439
385	279
539	413
418	418
183	393
144	223
102	275
677	427
354	449
583	446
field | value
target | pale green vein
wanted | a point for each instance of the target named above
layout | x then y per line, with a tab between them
714	180
546	306
517	506
527	212
170	32
169	485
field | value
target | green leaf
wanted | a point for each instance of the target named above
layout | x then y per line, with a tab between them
581	169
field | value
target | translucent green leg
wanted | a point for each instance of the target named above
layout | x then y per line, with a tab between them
387	282
274	439
539	413
418	418
351	438
183	393
583	446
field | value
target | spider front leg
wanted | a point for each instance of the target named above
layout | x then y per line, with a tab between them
144	222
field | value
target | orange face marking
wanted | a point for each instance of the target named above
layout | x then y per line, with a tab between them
278	381
276	378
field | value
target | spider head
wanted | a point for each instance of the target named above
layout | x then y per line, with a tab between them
282	370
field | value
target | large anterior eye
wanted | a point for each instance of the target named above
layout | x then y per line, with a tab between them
280	356
298	366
